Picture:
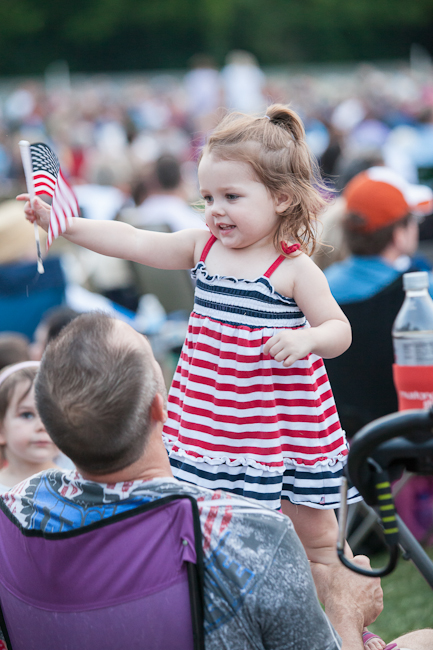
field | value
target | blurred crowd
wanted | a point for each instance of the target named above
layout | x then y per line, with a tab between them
107	130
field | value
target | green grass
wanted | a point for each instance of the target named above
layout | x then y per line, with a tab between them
408	601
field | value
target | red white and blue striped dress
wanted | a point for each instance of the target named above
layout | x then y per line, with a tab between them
237	419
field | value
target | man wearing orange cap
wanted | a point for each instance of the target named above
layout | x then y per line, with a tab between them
381	231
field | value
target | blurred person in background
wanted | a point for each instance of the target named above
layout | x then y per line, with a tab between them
101	199
14	347
333	245
243	83
165	203
52	323
204	92
106	171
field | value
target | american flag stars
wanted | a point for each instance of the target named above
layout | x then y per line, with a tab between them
48	179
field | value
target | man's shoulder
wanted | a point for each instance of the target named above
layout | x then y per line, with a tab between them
51	501
359	277
223	512
58	500
245	519
73	503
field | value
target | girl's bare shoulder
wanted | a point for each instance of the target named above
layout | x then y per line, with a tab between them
297	267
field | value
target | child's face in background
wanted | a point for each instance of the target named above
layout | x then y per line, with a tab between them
22	431
239	210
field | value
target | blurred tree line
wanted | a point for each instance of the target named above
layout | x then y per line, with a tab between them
102	35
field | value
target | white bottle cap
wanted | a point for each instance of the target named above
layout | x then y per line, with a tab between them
415	281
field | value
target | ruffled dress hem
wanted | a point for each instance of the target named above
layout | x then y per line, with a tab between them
316	487
182	454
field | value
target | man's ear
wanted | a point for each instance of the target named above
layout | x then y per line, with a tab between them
2	437
399	236
158	410
282	202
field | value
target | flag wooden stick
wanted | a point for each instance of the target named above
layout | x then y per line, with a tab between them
27	164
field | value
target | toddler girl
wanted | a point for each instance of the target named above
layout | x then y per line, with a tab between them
250	408
26	446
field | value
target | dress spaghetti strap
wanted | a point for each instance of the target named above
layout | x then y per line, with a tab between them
288	251
207	248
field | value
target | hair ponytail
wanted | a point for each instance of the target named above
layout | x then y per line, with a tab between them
288	120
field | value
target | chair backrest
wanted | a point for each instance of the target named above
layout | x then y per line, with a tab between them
361	378
174	289
129	581
25	295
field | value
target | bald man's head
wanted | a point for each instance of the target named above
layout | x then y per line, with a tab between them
94	392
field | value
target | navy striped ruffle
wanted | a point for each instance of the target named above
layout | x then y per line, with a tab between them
314	487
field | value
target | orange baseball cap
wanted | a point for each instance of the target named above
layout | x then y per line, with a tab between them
381	197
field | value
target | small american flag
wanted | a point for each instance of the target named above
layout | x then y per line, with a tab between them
48	179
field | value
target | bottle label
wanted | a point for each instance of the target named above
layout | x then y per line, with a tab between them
413	351
414	386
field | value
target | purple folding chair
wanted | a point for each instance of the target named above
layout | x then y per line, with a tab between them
133	580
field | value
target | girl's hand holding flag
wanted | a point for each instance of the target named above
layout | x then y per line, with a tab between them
36	211
44	176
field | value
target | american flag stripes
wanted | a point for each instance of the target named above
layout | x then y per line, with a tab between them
48	179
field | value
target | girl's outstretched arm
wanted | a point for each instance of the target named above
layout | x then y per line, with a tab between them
330	333
116	239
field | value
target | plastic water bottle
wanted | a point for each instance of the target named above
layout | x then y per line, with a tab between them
412	331
413	379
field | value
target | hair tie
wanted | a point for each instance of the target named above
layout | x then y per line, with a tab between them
17	366
267	116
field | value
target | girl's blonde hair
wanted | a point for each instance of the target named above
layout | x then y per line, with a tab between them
276	149
7	387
